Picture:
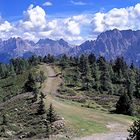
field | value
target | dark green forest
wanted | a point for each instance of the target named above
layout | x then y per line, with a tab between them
97	76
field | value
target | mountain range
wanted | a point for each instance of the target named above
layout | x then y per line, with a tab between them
110	44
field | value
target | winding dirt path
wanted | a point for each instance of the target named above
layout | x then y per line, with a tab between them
118	131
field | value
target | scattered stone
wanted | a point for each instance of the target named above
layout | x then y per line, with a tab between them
58	124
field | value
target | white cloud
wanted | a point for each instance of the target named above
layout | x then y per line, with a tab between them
34	17
69	28
5	26
48	3
123	18
27	35
72	26
97	22
37	24
6	30
78	2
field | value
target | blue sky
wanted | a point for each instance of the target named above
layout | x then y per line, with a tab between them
13	9
73	20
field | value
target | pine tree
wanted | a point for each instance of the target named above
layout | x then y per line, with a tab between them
137	91
95	76
85	72
124	104
91	59
33	60
132	67
4	120
45	60
3	71
63	62
134	131
101	61
50	58
12	71
42	95
41	108
30	85
76	76
81	64
120	65
51	114
105	81
87	76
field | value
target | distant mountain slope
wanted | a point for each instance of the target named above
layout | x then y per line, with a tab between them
48	46
113	43
110	44
17	47
14	47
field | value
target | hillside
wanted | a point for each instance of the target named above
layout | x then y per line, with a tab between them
54	87
18	117
82	121
113	43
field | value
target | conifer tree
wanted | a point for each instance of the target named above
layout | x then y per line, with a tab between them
12	71
42	95
41	108
105	81
76	76
124	104
63	62
101	61
87	76
50	58
3	71
30	85
45	60
85	72
120	65
91	59
137	91
95	76
81	64
33	60
4	120
51	114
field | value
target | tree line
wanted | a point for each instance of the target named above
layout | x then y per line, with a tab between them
101	76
